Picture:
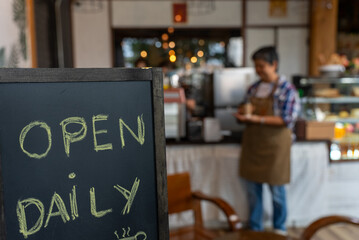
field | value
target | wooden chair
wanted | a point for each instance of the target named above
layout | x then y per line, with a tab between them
326	221
181	198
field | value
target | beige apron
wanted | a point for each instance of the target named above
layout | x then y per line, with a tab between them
265	154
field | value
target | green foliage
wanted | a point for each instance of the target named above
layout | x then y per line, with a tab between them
13	58
19	16
2	57
18	9
23	44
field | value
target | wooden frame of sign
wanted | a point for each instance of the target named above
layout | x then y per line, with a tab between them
56	210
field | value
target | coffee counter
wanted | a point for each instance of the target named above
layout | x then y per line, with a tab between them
317	187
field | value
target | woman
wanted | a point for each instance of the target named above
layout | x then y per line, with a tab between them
267	138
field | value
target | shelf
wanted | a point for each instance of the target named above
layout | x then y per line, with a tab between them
343	160
329	80
341	150
337	100
345	120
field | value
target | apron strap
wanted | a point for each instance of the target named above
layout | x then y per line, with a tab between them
275	86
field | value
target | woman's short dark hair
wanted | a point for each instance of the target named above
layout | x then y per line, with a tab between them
267	54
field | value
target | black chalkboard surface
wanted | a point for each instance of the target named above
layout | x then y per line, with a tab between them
82	154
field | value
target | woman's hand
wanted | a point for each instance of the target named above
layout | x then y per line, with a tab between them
240	109
264	120
247	118
246	108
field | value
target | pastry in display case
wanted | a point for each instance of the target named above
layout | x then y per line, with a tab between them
332	100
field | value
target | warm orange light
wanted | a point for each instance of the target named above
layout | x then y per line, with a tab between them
172	44
178	18
165	37
165	45
222	44
193	59
143	54
201	42
170	29
172	52
179	12
173	58
200	53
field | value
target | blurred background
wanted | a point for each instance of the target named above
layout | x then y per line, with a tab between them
204	48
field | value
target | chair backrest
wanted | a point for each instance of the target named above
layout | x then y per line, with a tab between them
326	221
179	193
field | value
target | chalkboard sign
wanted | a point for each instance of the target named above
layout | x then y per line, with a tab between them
82	154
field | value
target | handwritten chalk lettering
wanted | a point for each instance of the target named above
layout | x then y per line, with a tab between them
20	211
126	235
102	147
25	131
76	136
93	205
140	131
60	206
128	195
73	204
62	212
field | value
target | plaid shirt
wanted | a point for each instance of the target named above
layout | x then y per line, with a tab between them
286	102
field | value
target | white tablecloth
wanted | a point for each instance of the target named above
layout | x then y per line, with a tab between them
214	171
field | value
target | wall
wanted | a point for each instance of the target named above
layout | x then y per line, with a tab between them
289	33
258	13
91	30
92	36
92	43
14	40
223	13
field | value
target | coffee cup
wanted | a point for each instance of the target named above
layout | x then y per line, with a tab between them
248	109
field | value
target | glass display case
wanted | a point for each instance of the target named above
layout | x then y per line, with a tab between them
334	99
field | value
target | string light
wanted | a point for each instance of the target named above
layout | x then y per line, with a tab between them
165	37
170	29
178	18
143	54
158	44
193	59
172	44
200	53
173	58
172	52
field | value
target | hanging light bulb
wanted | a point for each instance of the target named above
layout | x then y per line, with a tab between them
164	37
170	29
158	44
173	58
165	45
143	54
200	53
172	44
